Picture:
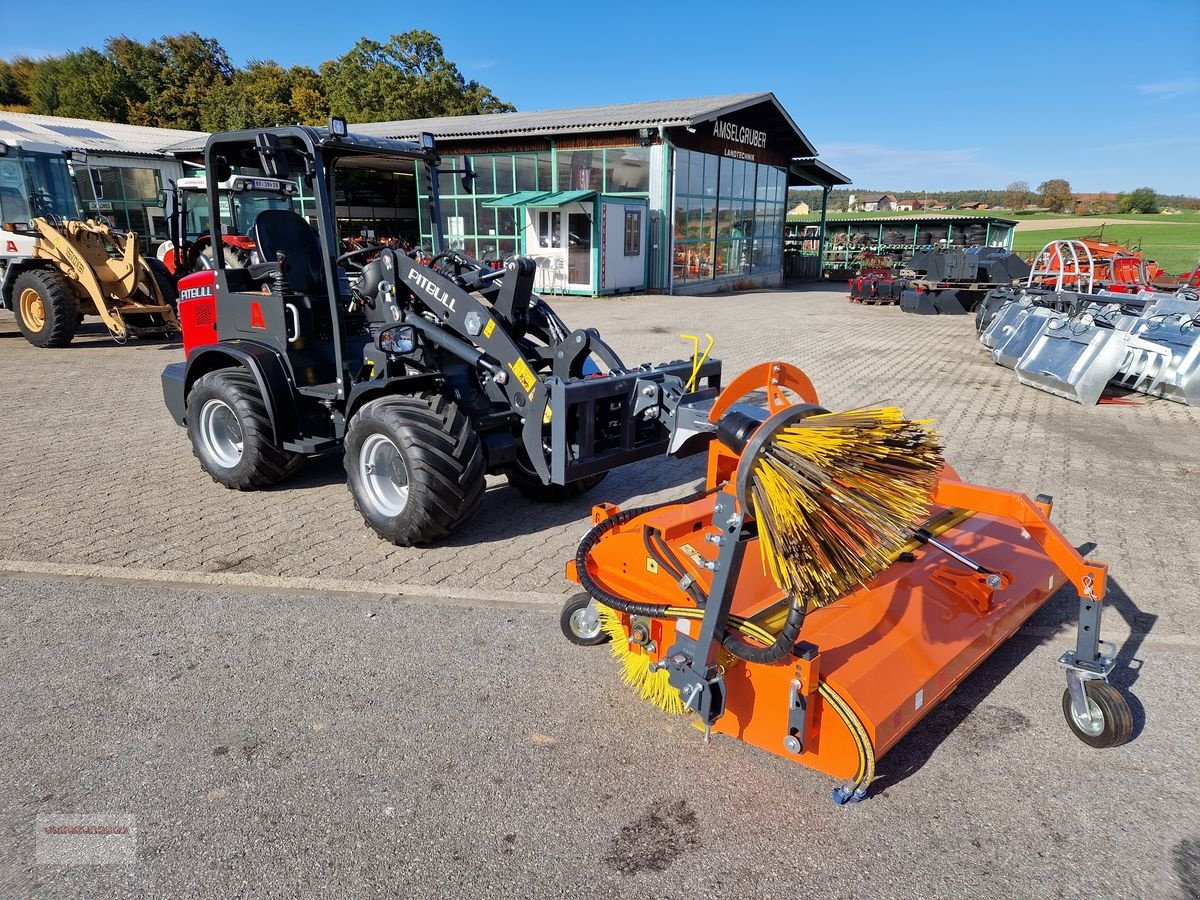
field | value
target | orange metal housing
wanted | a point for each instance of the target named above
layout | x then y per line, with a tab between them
893	649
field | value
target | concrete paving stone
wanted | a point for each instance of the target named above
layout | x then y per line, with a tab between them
115	481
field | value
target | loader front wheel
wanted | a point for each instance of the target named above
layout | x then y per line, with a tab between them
47	308
520	475
230	431
1109	722
414	466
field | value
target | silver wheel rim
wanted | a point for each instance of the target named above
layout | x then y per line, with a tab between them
384	475
582	628
1094	723
221	432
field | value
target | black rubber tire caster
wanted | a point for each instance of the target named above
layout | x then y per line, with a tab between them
574	627
1112	720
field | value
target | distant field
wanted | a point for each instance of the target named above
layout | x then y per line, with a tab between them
1174	246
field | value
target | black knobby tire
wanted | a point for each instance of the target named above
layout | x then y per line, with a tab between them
1116	719
58	303
441	462
259	463
573	626
165	281
520	476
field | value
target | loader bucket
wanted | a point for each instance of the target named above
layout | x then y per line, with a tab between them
1164	361
1073	358
1016	339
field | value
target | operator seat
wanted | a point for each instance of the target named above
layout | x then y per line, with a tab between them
283	231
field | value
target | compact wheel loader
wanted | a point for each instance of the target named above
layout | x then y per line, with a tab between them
430	370
58	268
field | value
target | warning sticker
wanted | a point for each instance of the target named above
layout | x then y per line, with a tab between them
547	415
693	554
524	374
489	328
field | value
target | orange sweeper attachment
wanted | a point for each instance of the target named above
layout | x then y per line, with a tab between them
833	583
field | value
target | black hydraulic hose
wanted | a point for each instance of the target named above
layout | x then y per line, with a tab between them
782	647
601	594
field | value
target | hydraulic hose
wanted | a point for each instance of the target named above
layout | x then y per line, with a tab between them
778	649
598	591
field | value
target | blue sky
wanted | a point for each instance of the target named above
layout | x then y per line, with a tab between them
1105	94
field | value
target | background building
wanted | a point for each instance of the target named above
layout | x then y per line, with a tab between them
120	170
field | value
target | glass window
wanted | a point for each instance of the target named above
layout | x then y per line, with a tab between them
526	164
504	174
506	216
485	177
141	184
581	170
627	170
448	184
545	172
507	247
486	217
633	232
695	182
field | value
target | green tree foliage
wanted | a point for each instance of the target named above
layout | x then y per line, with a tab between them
14	82
1056	195
1017	195
409	77
265	93
1143	200
188	81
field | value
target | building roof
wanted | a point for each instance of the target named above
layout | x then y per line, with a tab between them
834	219
611	117
815	172
92	136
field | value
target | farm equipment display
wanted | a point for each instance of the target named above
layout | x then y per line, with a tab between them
940	281
430	370
189	221
58	268
832	583
1076	339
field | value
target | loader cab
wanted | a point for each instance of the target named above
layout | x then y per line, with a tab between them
35	181
296	298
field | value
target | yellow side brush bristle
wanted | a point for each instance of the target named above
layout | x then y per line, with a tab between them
635	667
836	495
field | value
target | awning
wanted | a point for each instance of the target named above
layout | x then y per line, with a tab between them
520	198
562	198
541	198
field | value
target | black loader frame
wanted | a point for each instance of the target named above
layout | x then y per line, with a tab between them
416	363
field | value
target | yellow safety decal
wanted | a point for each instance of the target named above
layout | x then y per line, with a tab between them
489	328
651	566
693	554
524	374
547	415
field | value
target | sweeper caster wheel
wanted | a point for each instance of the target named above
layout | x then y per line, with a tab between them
1109	722
580	622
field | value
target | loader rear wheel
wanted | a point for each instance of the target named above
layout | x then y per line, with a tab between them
521	476
414	466
230	431
1110	721
47	308
580	622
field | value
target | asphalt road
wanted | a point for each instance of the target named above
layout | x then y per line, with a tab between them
284	745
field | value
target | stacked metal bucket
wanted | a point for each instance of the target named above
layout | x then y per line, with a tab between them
1076	345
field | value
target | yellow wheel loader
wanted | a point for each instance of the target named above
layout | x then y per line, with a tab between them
55	269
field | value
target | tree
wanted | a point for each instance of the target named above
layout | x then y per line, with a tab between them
1016	195
409	77
170	76
1143	200
265	93
1056	195
83	84
14	82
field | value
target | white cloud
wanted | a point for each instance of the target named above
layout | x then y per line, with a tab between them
873	165
1168	90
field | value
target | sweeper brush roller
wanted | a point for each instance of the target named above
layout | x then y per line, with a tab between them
880	581
835	496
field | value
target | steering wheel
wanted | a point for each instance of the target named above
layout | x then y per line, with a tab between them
350	259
